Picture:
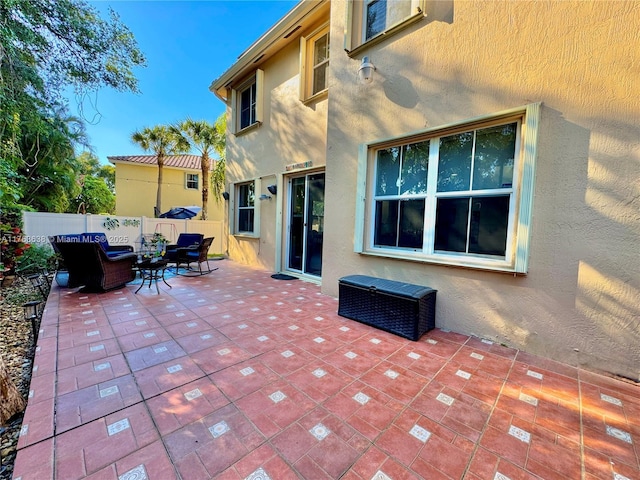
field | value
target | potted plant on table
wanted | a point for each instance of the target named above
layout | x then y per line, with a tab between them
153	247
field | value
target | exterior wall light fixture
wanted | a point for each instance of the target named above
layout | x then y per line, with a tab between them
225	195
365	72
273	189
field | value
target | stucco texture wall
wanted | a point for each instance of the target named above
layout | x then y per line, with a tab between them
580	301
292	132
136	188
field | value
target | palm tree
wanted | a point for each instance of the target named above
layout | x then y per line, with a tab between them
218	174
162	141
206	138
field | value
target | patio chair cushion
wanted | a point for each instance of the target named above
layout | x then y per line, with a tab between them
184	240
101	239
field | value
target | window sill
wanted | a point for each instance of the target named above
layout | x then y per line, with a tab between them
246	236
317	97
416	17
251	127
448	261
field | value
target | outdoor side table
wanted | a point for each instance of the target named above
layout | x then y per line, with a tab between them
152	270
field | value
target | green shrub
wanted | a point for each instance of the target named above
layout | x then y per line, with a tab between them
35	258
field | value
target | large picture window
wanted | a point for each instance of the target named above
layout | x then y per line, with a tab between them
454	195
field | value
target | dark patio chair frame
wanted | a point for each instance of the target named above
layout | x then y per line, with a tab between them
188	255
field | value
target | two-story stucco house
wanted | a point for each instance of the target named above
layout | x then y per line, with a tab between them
489	150
137	184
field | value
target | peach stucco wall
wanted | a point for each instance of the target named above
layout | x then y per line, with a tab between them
580	301
292	132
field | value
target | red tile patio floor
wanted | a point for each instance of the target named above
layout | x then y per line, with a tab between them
236	375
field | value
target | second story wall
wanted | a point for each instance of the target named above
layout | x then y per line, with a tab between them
291	131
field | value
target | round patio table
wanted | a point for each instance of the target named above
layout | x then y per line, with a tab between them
152	270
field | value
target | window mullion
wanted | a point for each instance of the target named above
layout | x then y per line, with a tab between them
399	193
470	212
430	207
400	167
398	221
473	159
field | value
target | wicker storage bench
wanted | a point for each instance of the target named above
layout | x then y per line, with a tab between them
401	308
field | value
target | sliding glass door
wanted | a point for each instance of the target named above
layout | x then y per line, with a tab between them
306	224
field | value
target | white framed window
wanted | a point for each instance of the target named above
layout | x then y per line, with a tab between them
371	20
192	181
245	197
246	101
314	63
458	195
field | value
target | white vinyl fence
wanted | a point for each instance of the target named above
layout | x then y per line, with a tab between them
119	230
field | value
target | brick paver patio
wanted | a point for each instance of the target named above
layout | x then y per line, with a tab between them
235	375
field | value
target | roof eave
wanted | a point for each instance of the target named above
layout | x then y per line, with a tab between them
264	46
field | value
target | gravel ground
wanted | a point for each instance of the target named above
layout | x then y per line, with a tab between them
16	349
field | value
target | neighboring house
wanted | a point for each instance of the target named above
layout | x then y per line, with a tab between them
494	155
137	185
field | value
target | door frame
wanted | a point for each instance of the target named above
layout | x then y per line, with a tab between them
282	222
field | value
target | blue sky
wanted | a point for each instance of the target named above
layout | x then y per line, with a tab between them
187	44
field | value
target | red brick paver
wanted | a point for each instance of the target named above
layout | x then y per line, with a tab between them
235	375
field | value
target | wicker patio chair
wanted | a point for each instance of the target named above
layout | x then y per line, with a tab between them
89	266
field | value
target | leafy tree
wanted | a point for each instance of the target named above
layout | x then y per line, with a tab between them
49	164
45	46
90	165
162	141
10	180
206	138
108	174
95	197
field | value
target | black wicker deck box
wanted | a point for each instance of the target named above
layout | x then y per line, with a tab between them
402	308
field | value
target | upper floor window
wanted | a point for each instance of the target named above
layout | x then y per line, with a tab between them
314	61
248	106
245	207
246	102
459	195
369	19
191	181
320	63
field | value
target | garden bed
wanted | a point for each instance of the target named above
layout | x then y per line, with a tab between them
17	349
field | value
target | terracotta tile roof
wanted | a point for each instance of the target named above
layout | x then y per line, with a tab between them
177	161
